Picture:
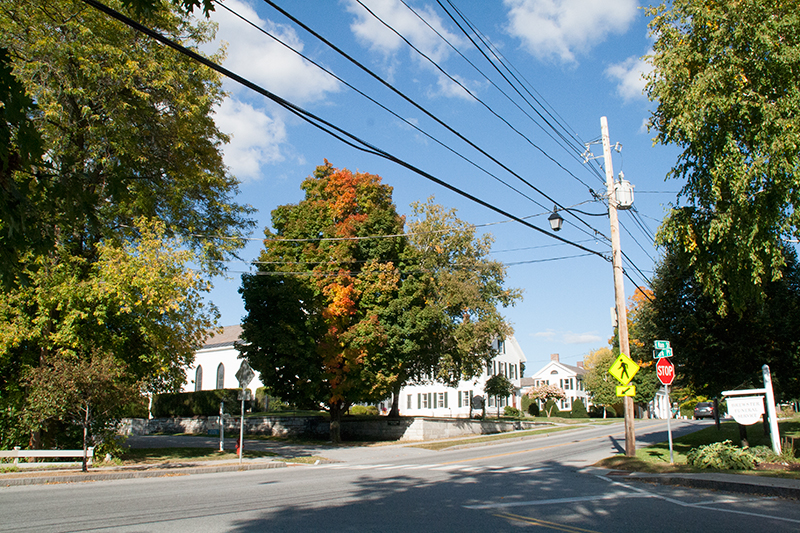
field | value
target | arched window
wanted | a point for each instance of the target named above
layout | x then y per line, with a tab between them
198	378
221	376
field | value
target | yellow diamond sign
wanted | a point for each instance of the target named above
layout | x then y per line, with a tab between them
626	390
624	368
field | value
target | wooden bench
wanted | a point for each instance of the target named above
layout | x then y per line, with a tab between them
17	454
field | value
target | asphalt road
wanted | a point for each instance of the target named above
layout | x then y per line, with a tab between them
544	482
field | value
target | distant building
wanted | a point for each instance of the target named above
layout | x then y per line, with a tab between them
568	377
439	400
216	363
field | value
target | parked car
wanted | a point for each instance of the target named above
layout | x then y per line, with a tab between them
703	410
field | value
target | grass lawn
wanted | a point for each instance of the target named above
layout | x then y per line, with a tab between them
656	458
143	456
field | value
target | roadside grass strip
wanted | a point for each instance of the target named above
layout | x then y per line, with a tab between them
444	444
136	456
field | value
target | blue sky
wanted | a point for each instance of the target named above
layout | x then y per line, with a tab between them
580	58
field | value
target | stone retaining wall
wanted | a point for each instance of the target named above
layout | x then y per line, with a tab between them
318	427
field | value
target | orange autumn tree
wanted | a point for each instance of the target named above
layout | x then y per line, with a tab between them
312	327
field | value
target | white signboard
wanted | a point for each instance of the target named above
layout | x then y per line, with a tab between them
746	410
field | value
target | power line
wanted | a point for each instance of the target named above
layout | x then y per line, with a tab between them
339	133
374	101
389	86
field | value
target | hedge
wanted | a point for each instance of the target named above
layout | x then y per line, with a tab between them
200	403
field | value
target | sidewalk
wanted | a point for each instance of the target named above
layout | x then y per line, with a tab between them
107	473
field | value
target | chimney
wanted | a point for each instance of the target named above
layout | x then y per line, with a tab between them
580	364
554	357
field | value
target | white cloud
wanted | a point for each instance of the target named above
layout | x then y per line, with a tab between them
260	59
559	29
568	337
581	338
256	138
630	76
375	35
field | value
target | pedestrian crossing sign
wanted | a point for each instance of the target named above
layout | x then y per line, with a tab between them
626	390
624	368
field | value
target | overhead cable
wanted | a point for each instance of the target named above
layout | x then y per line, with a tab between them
339	133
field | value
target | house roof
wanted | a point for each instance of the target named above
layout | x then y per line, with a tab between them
569	369
229	335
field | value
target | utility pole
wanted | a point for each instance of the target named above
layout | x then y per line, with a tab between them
619	287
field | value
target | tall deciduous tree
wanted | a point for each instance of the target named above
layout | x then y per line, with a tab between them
725	83
139	302
127	126
313	329
345	308
714	353
446	316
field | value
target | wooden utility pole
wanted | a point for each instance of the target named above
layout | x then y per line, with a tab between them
619	287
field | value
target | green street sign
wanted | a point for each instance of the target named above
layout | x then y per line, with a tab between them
662	345
666	352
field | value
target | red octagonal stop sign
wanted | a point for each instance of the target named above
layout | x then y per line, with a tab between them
665	371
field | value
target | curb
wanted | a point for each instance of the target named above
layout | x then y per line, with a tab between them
744	487
49	478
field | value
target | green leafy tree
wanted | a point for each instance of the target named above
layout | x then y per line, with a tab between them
446	316
601	385
547	394
725	83
127	125
641	348
89	391
500	387
346	309
139	302
713	353
313	328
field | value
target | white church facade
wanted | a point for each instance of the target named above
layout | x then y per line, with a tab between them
217	362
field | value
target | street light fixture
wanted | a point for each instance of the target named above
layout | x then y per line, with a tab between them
555	220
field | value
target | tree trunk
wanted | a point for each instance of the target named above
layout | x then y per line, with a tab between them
395	411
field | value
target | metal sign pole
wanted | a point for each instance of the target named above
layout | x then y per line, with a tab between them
669	428
221	427
241	431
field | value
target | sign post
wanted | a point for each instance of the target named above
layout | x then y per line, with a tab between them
244	375
746	406
665	371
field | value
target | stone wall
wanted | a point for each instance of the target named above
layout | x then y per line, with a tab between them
318	427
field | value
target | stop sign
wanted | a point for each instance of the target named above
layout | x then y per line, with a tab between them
665	371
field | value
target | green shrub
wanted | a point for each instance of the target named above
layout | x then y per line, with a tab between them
200	403
363	410
722	456
596	411
533	409
551	408
578	409
526	403
512	411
